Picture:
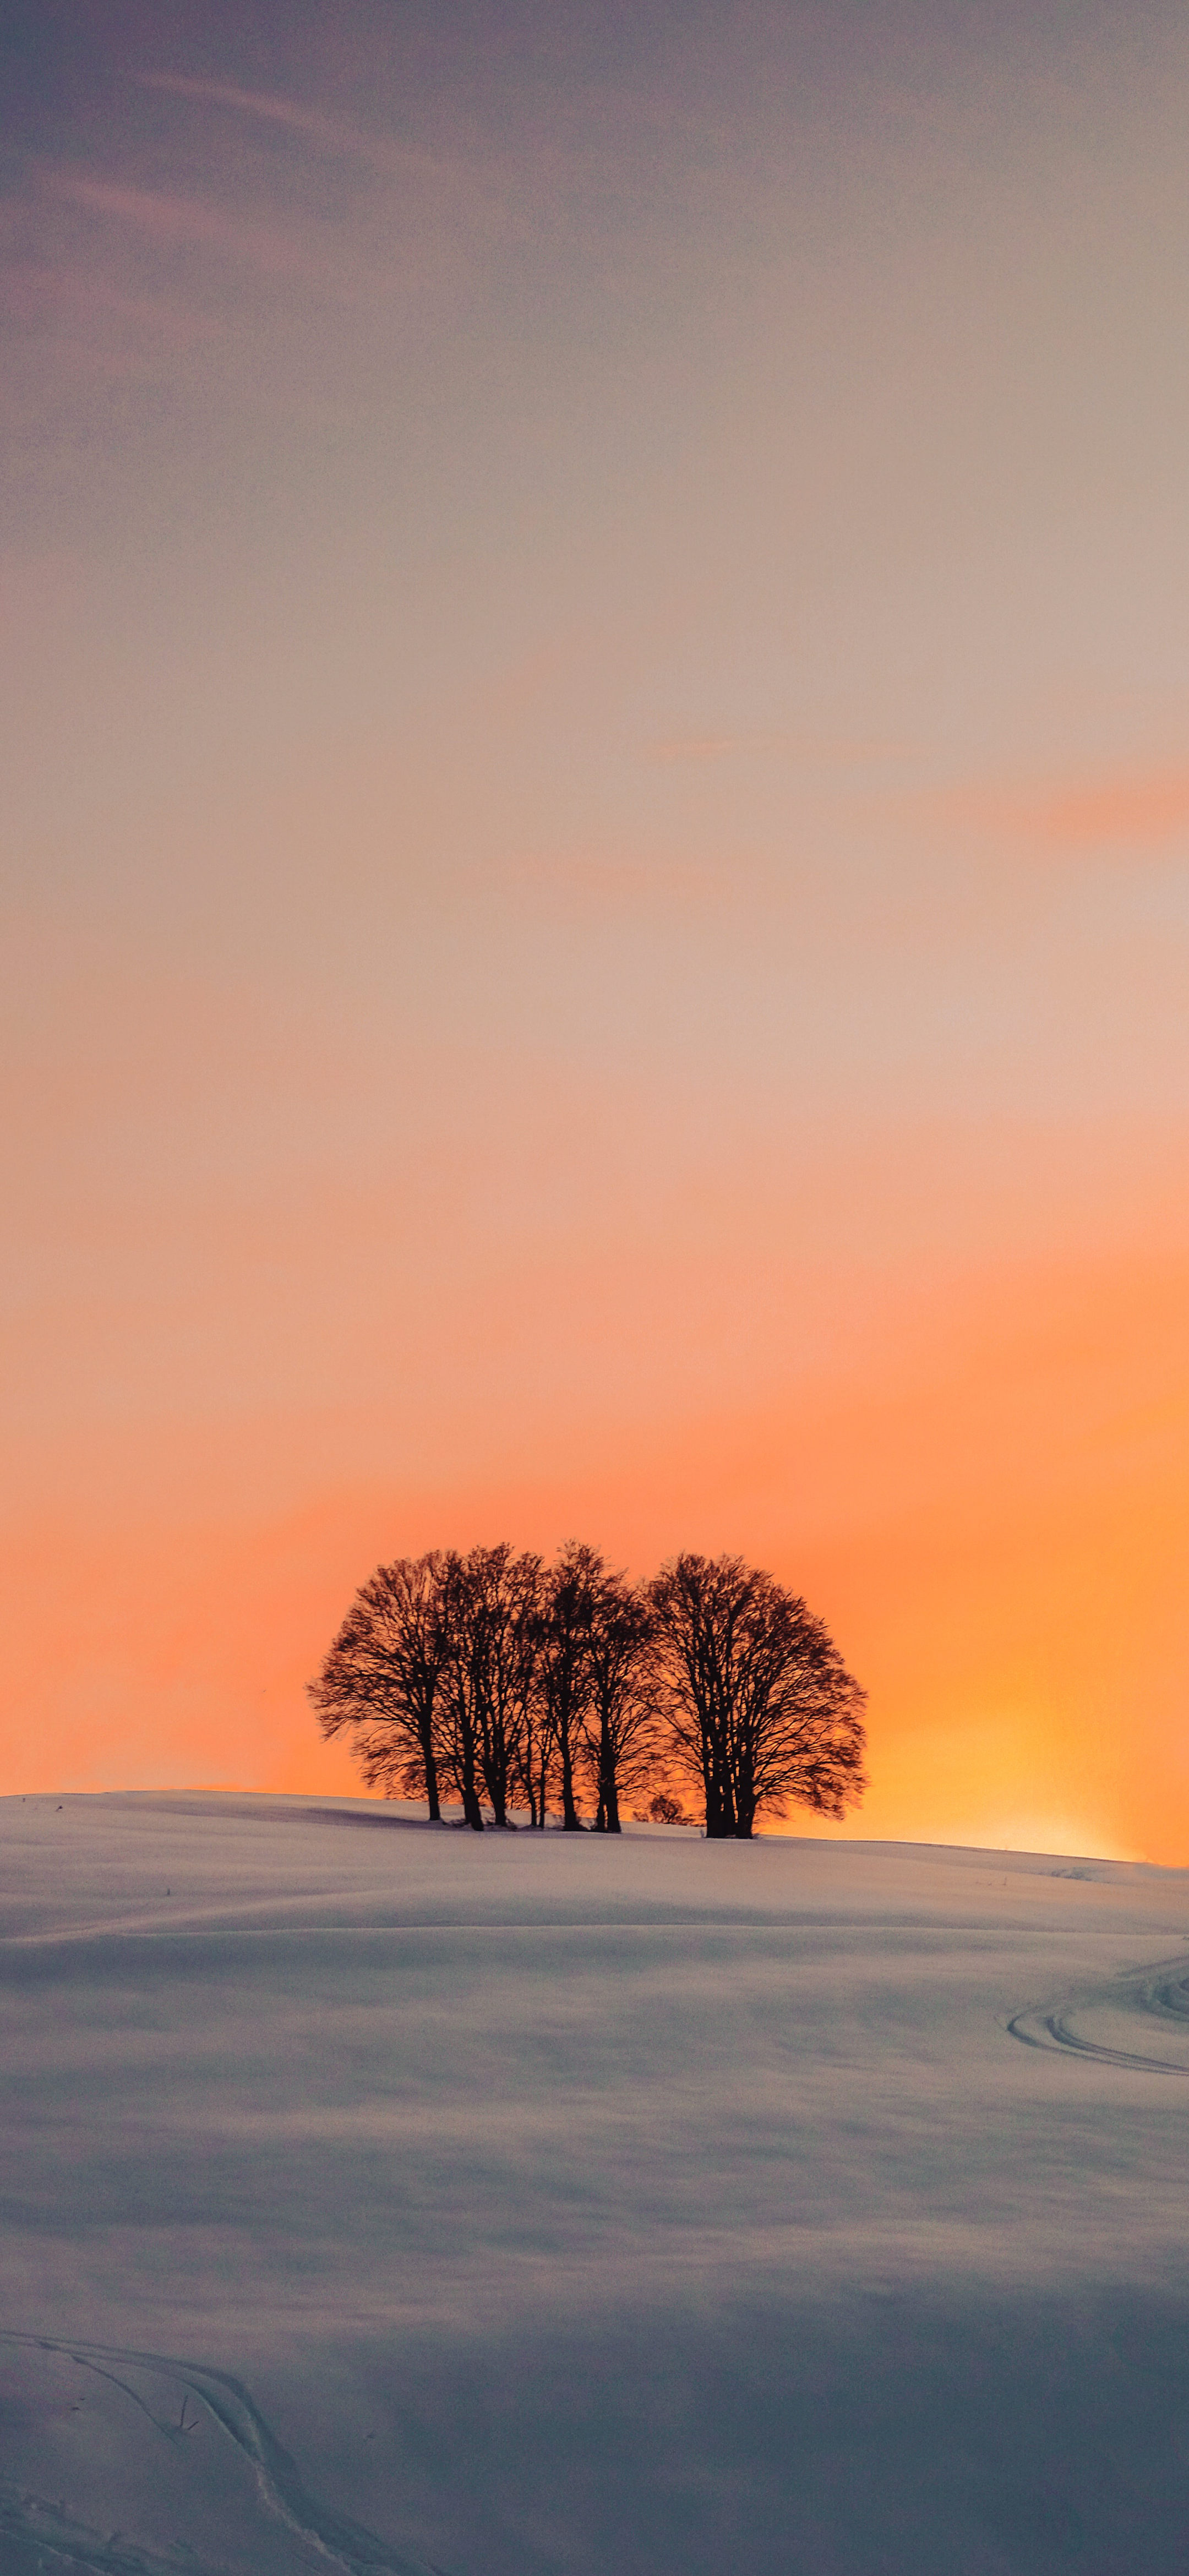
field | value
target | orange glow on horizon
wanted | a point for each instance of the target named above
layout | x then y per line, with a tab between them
993	1535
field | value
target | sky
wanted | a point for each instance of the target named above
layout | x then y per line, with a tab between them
596	733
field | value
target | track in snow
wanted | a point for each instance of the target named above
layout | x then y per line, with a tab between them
54	2539
1157	1994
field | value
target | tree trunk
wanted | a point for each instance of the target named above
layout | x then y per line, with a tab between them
712	1788
431	1775
721	1822
493	1764
743	1799
571	1820
527	1781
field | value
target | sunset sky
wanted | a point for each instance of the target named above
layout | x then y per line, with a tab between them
596	857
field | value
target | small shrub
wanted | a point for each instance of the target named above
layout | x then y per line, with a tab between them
665	1810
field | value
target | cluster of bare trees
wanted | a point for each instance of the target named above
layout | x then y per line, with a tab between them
497	1680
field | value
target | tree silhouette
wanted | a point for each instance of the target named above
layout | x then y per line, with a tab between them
384	1675
620	1727
565	1620
495	1675
663	1810
759	1706
492	1603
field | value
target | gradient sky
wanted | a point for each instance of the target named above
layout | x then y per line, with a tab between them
596	739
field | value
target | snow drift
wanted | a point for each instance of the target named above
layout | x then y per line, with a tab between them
379	2197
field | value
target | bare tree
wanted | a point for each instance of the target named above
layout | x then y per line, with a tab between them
458	1724
760	1708
619	1727
799	1736
568	1598
493	1604
699	1609
538	1772
490	1673
383	1676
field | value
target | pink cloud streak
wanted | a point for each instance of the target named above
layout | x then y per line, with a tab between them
178	219
250	102
335	134
1146	811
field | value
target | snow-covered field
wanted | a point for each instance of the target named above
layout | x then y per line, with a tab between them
377	2196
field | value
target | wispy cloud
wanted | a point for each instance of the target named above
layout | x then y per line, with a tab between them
811	751
703	747
332	134
1144	810
578	883
180	220
35	292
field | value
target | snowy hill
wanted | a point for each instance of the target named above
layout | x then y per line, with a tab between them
379	2196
